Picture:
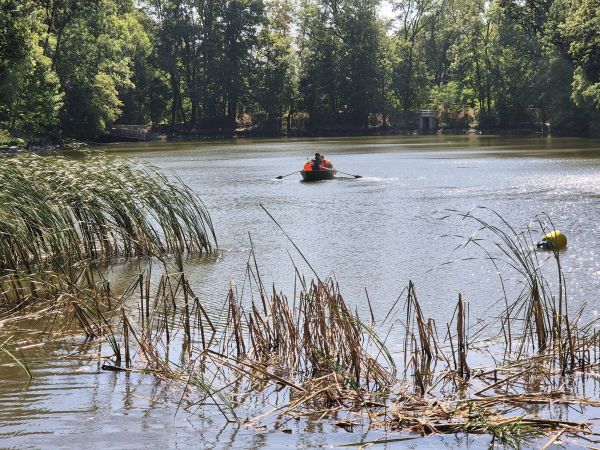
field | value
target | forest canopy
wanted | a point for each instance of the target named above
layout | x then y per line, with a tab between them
72	68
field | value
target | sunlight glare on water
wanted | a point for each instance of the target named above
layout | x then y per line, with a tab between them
379	231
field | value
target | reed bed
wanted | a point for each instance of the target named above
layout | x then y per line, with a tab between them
314	347
497	396
59	212
311	356
324	361
541	355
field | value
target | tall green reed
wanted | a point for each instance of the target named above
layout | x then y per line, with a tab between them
59	212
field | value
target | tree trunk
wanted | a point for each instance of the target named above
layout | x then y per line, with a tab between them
406	103
232	106
194	118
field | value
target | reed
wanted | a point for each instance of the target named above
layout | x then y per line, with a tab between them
58	212
315	353
321	351
538	320
18	359
326	359
313	348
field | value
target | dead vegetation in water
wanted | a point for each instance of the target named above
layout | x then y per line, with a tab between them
313	347
319	359
538	357
323	360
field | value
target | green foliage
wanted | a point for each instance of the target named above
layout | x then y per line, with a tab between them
94	60
37	101
58	211
145	86
13	35
274	79
342	71
556	76
240	22
30	97
582	31
451	96
71	68
320	64
5	138
412	79
105	103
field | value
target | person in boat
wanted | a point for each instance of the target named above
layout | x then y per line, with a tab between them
317	162
326	164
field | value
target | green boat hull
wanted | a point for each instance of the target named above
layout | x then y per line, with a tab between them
318	175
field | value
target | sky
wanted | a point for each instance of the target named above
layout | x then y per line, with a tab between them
385	11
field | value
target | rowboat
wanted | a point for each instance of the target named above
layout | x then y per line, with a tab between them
318	175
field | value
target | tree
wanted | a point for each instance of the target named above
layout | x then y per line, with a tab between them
240	21
582	31
95	64
320	63
411	78
74	67
145	99
30	97
342	42
362	35
274	78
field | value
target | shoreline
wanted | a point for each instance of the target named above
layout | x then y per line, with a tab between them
155	136
134	133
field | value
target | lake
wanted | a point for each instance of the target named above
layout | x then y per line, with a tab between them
400	221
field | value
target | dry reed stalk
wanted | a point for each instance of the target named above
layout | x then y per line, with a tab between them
463	367
125	340
326	359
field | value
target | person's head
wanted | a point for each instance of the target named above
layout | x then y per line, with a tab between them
317	155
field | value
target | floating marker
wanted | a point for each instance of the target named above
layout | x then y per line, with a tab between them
554	240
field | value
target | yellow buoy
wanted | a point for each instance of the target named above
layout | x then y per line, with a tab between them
554	240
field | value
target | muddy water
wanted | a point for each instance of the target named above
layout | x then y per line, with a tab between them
375	232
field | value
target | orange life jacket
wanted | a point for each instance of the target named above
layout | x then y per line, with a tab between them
308	166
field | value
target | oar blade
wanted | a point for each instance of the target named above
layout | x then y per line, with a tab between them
350	174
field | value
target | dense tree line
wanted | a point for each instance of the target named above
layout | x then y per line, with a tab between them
70	68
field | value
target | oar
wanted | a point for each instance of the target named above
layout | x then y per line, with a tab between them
355	176
283	176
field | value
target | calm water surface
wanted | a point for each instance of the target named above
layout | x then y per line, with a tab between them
376	232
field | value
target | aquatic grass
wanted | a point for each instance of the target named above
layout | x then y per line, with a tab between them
20	361
318	358
322	357
439	372
512	432
320	351
58	212
541	308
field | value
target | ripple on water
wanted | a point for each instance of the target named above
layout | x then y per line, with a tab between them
377	232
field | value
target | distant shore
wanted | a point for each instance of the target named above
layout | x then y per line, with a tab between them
45	145
152	135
